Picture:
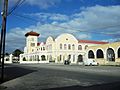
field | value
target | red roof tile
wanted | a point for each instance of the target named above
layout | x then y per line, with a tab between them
90	41
38	44
32	34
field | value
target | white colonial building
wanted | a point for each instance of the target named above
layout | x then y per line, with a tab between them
57	50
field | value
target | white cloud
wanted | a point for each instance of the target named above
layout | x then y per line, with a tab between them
44	4
111	40
90	19
98	16
49	16
84	36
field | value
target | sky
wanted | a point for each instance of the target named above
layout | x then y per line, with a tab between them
85	19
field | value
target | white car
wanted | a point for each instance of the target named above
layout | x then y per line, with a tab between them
90	62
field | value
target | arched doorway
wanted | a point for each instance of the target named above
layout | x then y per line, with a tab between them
69	57
80	58
43	57
91	54
100	53
110	54
119	53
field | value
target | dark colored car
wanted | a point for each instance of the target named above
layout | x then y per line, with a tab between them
66	62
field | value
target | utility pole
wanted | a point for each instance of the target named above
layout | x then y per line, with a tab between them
3	35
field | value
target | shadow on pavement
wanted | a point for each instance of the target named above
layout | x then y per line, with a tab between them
108	86
12	72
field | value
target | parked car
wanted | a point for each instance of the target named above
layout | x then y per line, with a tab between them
66	62
90	62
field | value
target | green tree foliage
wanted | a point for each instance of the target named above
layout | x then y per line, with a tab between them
17	52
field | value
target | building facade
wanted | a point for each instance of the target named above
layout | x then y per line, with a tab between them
64	47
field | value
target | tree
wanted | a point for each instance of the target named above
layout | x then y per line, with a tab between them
17	52
7	54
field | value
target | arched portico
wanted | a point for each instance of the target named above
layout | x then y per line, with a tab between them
110	54
43	58
99	54
91	54
118	52
80	58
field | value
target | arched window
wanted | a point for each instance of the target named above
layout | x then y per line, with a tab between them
60	57
69	57
91	54
80	58
43	48
100	53
86	47
65	46
73	47
69	46
119	53
110	54
43	57
60	46
79	47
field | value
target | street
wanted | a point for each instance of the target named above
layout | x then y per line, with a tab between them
63	77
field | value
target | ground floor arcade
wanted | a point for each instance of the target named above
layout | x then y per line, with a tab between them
105	54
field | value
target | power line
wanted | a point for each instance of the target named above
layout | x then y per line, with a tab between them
18	3
25	17
71	28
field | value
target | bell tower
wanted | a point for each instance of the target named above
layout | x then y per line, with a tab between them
31	41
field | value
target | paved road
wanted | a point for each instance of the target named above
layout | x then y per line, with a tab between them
61	77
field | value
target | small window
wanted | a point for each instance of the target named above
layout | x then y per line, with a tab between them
73	47
32	44
86	47
79	47
60	57
32	39
43	48
69	46
65	46
60	46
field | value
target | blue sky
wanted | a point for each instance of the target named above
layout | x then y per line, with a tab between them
85	19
